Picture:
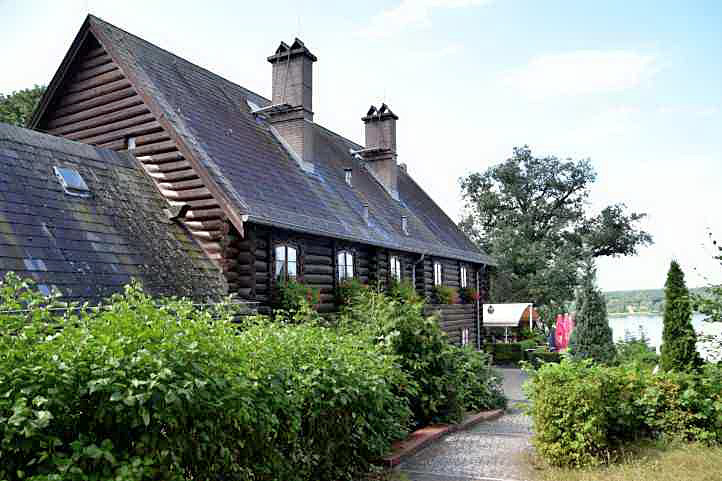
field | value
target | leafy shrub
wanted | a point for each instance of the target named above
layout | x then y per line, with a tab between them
468	295
348	290
292	296
583	413
505	353
636	350
540	356
403	291
444	295
442	380
149	390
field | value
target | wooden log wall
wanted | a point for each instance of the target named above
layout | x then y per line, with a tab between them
453	318
97	105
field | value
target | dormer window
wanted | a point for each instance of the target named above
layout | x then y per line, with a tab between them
71	181
437	273
348	176
344	265
395	268
286	262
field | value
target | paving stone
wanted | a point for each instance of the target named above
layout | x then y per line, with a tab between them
490	451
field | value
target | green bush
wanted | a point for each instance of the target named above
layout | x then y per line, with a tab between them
468	295
443	380
403	291
540	356
292	296
348	290
584	413
503	353
636	350
444	295
167	391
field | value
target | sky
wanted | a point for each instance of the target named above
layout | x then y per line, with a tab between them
634	86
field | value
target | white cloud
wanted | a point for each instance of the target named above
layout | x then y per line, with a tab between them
582	72
411	14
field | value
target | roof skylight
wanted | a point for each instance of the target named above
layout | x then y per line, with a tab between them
72	181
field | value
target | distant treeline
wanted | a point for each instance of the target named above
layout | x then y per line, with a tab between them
641	301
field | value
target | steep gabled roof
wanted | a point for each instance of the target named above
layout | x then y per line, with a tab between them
252	171
89	247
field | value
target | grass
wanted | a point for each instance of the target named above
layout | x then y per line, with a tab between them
652	462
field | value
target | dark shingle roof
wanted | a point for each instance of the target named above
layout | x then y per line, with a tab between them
90	247
255	172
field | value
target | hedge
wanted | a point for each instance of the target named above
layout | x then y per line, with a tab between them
172	392
584	413
510	353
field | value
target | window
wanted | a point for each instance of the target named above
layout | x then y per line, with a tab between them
395	268
344	265
72	181
463	277
348	175
130	143
437	273
465	336
286	262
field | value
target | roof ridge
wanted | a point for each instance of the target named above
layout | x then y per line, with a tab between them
58	141
98	19
327	129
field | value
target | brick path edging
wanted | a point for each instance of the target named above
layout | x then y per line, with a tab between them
424	436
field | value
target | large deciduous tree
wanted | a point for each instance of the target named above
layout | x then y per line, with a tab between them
17	107
532	215
679	341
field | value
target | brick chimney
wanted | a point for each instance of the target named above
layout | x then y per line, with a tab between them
291	112
380	150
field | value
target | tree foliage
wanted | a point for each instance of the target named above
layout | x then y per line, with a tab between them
17	108
679	341
532	215
592	337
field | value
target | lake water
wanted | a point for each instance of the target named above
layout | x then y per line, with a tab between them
652	327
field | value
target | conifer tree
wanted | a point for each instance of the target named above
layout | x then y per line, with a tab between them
592	337
679	341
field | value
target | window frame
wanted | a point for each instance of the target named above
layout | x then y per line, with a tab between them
465	336
398	274
346	253
463	277
283	275
440	280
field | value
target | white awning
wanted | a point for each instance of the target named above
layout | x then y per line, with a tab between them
503	315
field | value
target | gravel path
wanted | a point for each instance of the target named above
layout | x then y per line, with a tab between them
490	451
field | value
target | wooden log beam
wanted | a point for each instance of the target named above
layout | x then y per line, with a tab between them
187	195
90	72
97	81
95	112
178	166
123	131
84	135
93	102
74	98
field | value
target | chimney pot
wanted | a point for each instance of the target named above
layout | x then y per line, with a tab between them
380	151
292	94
